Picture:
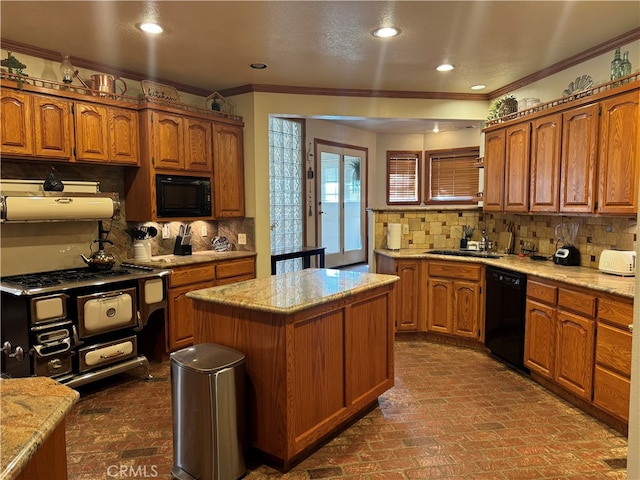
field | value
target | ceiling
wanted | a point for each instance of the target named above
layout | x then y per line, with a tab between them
324	44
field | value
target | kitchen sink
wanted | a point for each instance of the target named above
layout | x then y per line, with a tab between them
464	253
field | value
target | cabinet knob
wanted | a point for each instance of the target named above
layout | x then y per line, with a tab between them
630	327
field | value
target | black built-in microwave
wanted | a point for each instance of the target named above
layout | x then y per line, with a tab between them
183	196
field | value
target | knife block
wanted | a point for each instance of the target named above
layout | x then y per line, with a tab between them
179	249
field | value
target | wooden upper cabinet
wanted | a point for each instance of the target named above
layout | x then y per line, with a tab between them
228	171
124	147
198	145
579	150
546	138
168	141
516	171
17	123
53	128
91	132
619	159
106	134
494	156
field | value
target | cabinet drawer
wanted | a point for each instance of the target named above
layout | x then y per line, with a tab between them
611	392
616	312
613	348
542	292
577	302
188	275
235	268
457	270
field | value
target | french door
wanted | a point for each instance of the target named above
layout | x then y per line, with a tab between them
341	224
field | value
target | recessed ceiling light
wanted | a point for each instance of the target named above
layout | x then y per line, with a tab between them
150	27
258	66
386	32
445	67
478	87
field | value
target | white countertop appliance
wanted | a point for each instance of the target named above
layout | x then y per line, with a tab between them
618	262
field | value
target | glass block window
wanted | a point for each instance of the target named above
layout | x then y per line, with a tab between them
286	188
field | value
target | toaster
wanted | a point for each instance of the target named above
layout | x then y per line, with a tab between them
618	262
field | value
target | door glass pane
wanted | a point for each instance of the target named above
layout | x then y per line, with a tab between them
330	197
352	204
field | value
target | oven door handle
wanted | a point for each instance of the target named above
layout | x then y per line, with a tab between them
117	353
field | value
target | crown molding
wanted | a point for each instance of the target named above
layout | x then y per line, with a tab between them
625	38
600	49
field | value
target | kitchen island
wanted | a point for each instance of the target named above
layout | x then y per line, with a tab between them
33	428
319	351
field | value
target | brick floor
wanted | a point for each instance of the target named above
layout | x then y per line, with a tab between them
454	413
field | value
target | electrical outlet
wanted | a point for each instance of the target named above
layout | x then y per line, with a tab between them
203	231
405	229
242	239
166	231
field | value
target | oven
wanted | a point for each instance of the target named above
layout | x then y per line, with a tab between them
77	325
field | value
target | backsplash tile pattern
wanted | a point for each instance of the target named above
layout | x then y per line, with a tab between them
443	229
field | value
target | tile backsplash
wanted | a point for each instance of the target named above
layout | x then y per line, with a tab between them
443	229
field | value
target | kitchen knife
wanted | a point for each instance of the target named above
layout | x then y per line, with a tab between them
181	231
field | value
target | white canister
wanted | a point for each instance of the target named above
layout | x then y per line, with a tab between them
141	250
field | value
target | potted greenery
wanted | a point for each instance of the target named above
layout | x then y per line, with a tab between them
502	106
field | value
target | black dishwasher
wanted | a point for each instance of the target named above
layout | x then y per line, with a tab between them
504	316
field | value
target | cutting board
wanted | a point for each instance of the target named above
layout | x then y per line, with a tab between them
505	240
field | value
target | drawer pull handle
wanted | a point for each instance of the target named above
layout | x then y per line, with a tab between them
112	355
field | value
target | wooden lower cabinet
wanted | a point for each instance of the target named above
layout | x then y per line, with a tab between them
455	303
580	340
49	462
188	278
612	377
409	290
575	339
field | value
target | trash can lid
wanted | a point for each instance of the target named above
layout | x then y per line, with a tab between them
207	357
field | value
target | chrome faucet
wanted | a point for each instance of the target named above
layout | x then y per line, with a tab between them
484	244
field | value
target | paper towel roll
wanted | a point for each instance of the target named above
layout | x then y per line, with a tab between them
394	236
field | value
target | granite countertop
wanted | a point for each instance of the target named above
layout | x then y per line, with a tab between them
294	291
578	276
168	261
31	410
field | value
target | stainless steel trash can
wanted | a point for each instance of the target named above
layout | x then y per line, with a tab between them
207	388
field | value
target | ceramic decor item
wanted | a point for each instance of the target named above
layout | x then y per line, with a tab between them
220	244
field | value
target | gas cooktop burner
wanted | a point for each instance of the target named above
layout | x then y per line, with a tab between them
58	277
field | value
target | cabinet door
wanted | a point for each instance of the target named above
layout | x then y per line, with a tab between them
228	171
53	126
17	123
546	140
123	136
619	160
408	295
439	305
494	152
181	315
539	338
198	145
168	141
579	147
466	309
575	353
91	132
516	171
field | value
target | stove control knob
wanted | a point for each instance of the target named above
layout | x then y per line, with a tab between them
18	353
